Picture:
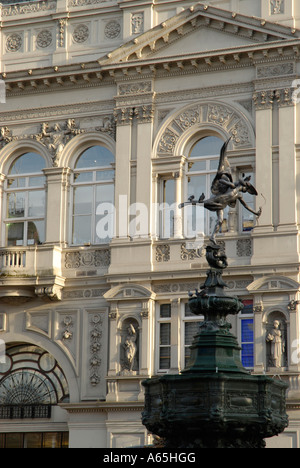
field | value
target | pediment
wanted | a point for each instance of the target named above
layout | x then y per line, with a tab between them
200	29
273	283
128	292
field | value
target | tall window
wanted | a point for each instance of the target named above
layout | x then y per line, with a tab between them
191	329
25	201
164	337
93	197
247	219
202	166
247	334
167	211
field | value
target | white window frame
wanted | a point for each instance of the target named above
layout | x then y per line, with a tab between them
242	316
159	321
183	321
94	184
25	219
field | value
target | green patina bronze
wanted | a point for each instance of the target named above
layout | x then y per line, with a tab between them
215	402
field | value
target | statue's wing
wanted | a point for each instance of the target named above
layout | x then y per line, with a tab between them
223	168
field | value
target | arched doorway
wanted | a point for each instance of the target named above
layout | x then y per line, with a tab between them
32	384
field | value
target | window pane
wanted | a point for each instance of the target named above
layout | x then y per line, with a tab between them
247	355
65	440
165	358
167	211
29	163
213	164
33	440
83	200
247	331
248	307
165	333
14	234
194	166
81	229
37	181
16	182
197	186
52	440
247	339
83	177
96	156
195	216
14	440
36	204
190	331
35	232
105	175
16	205
105	193
208	146
165	310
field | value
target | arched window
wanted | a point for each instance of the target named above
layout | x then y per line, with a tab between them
25	201
93	197
201	169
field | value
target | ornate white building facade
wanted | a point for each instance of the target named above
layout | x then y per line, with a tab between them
115	112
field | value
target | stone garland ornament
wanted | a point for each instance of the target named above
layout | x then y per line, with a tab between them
95	347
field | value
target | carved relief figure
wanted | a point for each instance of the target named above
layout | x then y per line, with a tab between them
275	337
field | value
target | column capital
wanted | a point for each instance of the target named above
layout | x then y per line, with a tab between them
123	115
144	113
263	99
284	97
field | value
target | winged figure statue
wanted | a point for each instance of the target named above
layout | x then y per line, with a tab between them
225	192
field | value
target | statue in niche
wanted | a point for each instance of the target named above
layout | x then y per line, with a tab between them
224	192
129	361
276	339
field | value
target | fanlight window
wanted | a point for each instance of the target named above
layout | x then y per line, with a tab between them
93	197
31	382
25	201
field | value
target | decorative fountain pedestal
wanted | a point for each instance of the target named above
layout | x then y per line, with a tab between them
215	402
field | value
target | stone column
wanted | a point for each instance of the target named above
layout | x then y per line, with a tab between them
263	101
259	338
58	183
146	353
287	161
175	318
2	215
113	349
122	175
144	116
293	343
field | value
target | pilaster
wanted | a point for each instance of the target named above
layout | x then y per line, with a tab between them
58	183
263	101
287	161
